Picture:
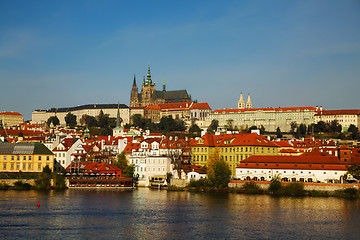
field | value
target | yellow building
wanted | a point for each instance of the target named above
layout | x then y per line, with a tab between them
27	157
232	147
11	118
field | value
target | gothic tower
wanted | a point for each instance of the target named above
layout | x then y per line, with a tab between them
248	102
147	90
134	96
241	103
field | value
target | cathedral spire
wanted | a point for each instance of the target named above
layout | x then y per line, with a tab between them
134	84
241	102
148	78
118	119
164	85
248	102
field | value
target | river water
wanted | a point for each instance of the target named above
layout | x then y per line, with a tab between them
155	214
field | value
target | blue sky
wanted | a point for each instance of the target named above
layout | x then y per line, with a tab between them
284	53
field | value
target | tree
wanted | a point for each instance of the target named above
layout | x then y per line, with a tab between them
54	120
175	154
70	120
354	170
138	121
195	130
213	126
335	127
262	129
278	133
218	170
229	125
44	180
58	181
122	162
354	132
293	126
168	124
301	130
103	119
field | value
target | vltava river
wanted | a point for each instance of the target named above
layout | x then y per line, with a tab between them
154	214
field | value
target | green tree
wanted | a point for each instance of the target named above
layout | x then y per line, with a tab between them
354	170
103	119
354	132
54	120
278	133
58	181
301	130
218	170
70	120
262	129
293	126
229	125
44	180
335	127
138	121
195	130
213	126
122	162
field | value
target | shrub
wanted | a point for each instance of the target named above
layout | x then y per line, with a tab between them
58	181
347	193
251	188
20	185
199	183
294	189
275	187
315	193
4	186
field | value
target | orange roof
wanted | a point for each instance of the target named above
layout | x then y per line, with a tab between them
175	106
130	146
231	140
154	107
284	109
10	113
304	161
339	112
200	106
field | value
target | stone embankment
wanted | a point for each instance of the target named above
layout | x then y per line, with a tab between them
330	187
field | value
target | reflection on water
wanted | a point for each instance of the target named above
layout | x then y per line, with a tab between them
154	214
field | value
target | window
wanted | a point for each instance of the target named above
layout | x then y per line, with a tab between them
17	166
4	166
12	166
24	166
12	158
39	166
18	157
29	157
4	157
47	158
29	166
39	157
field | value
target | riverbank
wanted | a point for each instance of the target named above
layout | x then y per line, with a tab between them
279	189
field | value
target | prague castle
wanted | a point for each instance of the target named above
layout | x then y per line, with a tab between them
150	96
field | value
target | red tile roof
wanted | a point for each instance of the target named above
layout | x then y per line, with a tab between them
10	113
154	107
200	106
284	109
175	106
339	112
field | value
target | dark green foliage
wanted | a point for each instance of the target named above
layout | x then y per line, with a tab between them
354	171
251	188
301	130
201	183
121	162
252	128
103	119
278	133
70	120
229	125
168	124
129	171
347	193
195	131
54	120
138	121
213	126
58	181
275	187
20	185
4	186
294	189
315	193
44	180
